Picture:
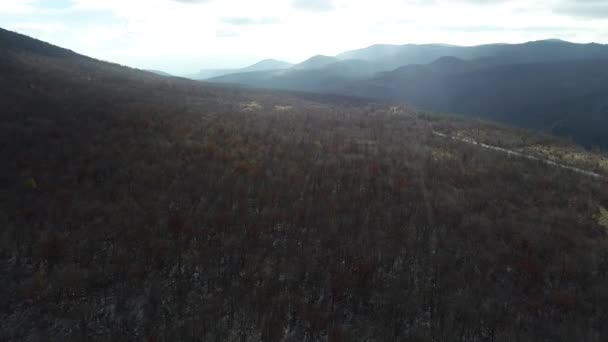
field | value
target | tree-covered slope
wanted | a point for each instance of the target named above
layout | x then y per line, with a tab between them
140	207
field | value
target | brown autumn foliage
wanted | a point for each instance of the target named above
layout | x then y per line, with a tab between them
163	210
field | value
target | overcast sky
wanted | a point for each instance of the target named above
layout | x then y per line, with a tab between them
183	36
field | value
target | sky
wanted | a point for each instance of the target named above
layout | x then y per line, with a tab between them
184	36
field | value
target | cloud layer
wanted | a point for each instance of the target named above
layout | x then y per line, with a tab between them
314	5
245	21
584	8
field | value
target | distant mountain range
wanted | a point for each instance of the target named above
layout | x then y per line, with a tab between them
383	57
316	62
395	56
549	85
265	65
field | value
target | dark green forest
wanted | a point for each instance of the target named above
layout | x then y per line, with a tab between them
141	207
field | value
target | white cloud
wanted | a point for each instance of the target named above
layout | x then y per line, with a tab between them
17	7
314	5
39	29
597	9
246	21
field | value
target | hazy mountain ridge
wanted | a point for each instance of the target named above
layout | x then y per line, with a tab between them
267	64
316	62
489	81
365	63
264	65
394	56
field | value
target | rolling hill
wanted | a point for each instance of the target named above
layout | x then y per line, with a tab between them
551	50
316	62
325	76
142	207
568	98
381	58
550	85
265	65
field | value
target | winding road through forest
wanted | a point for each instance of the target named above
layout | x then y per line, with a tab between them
521	155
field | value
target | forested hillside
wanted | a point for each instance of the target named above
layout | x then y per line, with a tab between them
569	99
141	207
